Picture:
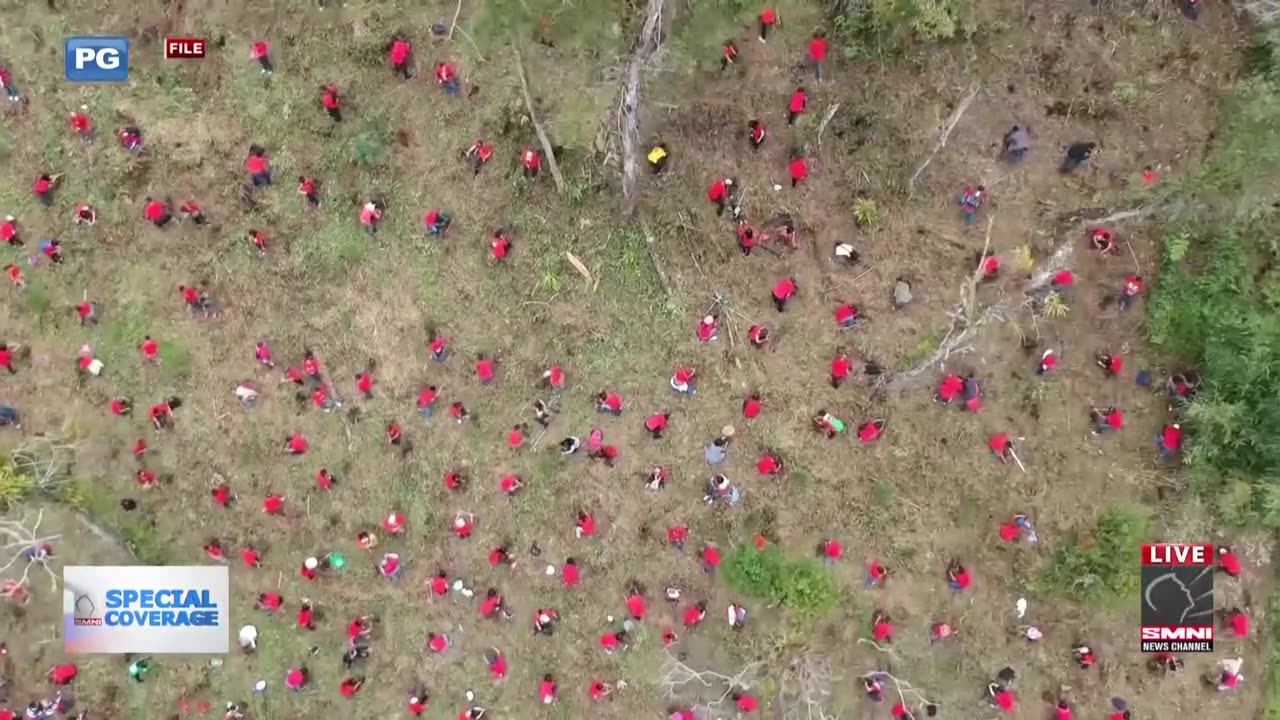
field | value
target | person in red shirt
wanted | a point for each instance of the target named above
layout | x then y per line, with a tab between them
1169	441
1112	365
400	55
1238	622
6	361
62	674
1062	711
755	133
121	406
876	574
307	189
830	550
586	525
329	98
746	238
463	525
719	193
150	349
870	431
847	315
251	557
635	604
768	18
1001	446
84	214
417	702
841	366
130	138
1048	361
695	614
708	328
15	276
1001	697
657	423
82	126
796	105
569	573
958	577
297	678
43	189
949	389
881	626
751	406
1133	287
1228	562
350	686
261	52
547	689
531	162
270	601
745	702
213	550
728	54
710	556
1104	420
479	154
499	245
436	222
156	211
295	444
769	464
783	290
257	166
273	504
365	382
9	231
818	52
486	369
447	78
799	169
599	690
677	535
437	642
146	478
613	641
608	401
222	495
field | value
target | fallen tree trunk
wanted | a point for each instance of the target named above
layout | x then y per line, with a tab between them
547	149
631	103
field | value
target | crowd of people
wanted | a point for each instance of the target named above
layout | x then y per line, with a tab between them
324	391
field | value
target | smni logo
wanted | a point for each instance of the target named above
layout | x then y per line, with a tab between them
85	612
97	59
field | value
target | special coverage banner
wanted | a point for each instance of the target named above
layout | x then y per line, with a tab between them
146	609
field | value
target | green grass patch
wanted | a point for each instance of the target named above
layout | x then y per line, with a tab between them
799	584
1100	565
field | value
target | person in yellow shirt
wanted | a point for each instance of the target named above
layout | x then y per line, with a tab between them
658	157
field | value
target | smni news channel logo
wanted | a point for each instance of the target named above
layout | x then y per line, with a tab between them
97	59
146	609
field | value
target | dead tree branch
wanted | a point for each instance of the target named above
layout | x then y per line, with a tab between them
47	461
965	319
676	674
630	106
547	148
805	688
944	133
822	126
25	542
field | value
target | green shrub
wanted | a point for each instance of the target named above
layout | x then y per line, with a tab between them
15	486
1101	565
889	25
797	584
370	145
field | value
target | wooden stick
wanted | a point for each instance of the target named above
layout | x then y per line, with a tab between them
533	118
1014	455
944	134
453	25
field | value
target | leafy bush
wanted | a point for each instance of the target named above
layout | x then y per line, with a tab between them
865	212
797	584
1101	565
369	146
15	485
888	25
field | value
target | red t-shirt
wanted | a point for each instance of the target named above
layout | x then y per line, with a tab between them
799	169
587	524
747	703
609	641
41	186
498	668
869	432
677	533
271	601
692	616
798	102
635	606
684	374
711	556
882	631
154	210
8	231
768	16
399	52
547	691
509	483
63	674
250	557
655	422
440	585
438	643
570	574
951	387
255	164
1239	624
963	579
348	687
258	50
1229	563
272	504
1010	532
222	495
818	49
751	408
297	443
832	549
845	313
364	382
330	99
613	401
840	367
426	397
516	438
295	679
717	191
1004	700
490	605
768	465
1171	437
784	289
484	369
